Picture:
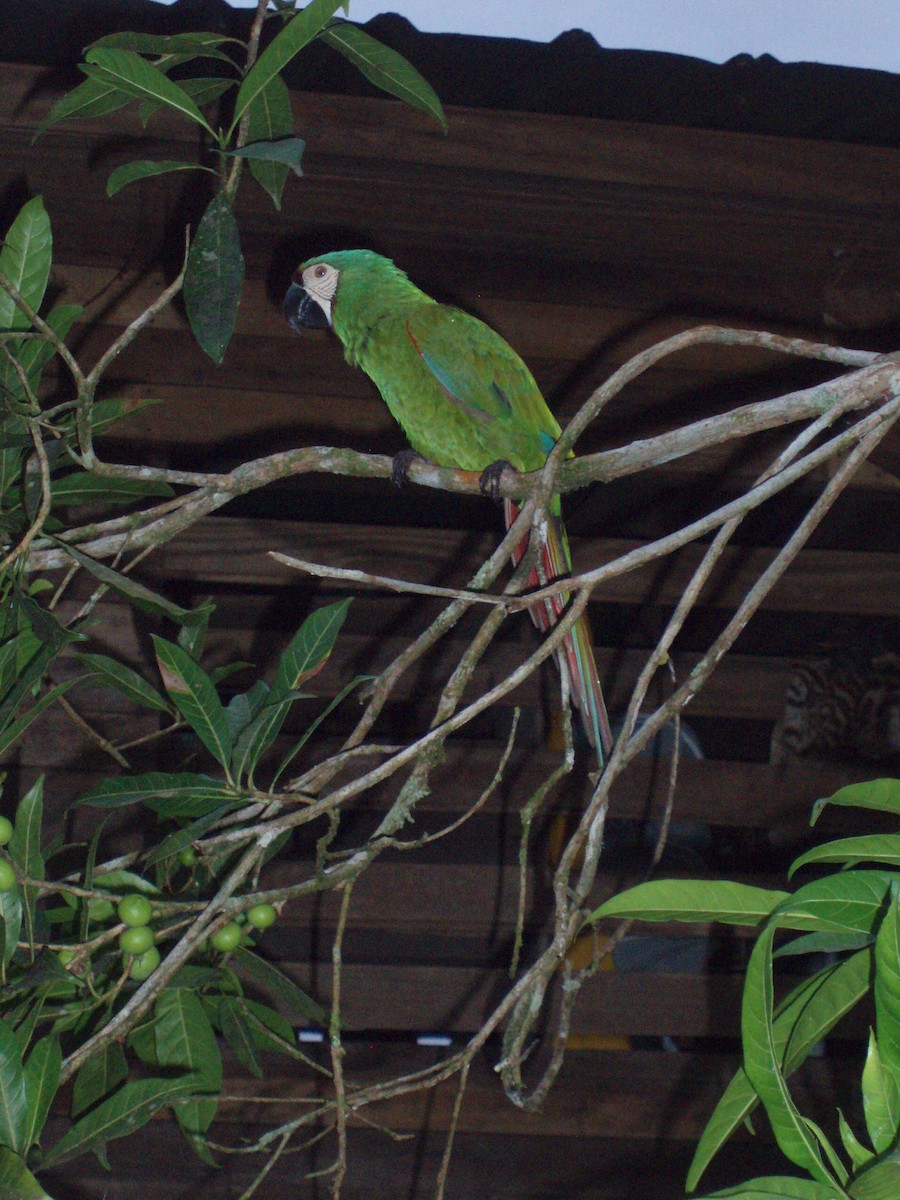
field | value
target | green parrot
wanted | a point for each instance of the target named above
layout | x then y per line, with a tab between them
464	399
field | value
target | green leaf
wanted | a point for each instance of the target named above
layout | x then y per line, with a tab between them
185	1039
314	725
873	847
270	118
693	900
308	650
779	1187
13	1102
297	33
42	1072
180	839
119	678
880	1182
276	982
25	846
11	918
842	903
122	880
13	732
145	168
195	45
214	278
102	1072
94	98
881	1099
803	1018
385	68
16	1181
134	75
25	261
887	986
125	1111
105	413
238	1034
170	796
195	697
268	1028
244	707
794	1133
883	795
856	1151
823	943
145	599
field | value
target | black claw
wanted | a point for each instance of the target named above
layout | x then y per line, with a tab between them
490	479
403	460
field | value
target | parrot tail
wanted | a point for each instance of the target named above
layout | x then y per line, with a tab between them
576	654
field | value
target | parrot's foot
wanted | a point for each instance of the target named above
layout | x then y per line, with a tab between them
490	479
403	460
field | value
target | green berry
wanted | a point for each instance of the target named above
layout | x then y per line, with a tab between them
135	910
6	830
226	938
261	916
143	965
188	857
7	876
136	940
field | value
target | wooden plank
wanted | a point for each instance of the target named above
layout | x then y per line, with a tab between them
225	550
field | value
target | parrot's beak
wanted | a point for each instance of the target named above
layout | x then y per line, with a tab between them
301	311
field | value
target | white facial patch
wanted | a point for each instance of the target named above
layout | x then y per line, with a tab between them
320	281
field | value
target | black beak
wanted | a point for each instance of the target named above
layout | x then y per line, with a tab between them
301	311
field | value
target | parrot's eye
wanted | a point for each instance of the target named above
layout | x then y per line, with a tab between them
321	271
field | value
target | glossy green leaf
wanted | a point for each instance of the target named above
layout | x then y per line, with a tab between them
883	795
195	697
33	355
308	650
879	1182
180	839
25	261
803	1018
123	880
881	1099
94	98
185	1039
823	943
13	1102
844	903
42	1072
171	796
779	1187
145	168
11	917
244	707
14	731
16	1181
296	33
271	118
25	846
385	68
115	675
693	900
101	1074
201	91
284	989
145	599
794	1133
237	1032
887	986
122	1113
214	278
873	847
858	1154
134	75
184	45
268	1028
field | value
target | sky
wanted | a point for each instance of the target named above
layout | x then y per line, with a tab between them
850	33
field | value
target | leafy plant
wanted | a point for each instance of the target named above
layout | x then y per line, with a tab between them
853	916
235	97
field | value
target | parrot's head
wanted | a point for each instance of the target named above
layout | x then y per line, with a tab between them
358	279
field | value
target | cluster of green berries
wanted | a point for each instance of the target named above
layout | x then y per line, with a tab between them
7	874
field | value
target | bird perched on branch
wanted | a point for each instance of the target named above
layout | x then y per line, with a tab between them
464	399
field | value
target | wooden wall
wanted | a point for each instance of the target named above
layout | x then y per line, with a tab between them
583	241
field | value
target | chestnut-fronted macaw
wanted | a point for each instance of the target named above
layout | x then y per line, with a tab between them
464	399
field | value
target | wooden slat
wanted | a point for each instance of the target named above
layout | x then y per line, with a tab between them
828	580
